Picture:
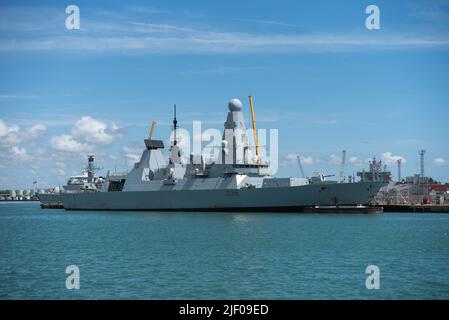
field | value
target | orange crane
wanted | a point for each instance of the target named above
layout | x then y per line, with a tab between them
153	124
253	120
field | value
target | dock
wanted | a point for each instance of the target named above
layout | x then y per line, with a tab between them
343	209
417	208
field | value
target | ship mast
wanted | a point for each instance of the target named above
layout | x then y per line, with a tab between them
91	168
175	153
175	125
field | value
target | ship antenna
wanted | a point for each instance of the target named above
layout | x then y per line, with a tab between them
175	125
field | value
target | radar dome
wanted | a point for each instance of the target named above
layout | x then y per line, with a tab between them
235	105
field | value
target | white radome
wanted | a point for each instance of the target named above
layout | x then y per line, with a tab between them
235	105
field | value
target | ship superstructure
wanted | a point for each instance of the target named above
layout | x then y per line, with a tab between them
78	183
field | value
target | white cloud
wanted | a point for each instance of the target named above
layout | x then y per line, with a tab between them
132	154
440	161
94	131
119	34
11	136
221	42
36	130
307	160
86	133
66	142
269	22
17	96
158	28
389	158
3	129
291	159
333	159
356	161
353	160
14	134
19	153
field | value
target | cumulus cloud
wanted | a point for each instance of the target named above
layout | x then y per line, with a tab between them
132	154
307	160
291	159
19	153
93	131
66	142
86	133
333	159
11	135
440	161
389	158
356	161
37	130
3	128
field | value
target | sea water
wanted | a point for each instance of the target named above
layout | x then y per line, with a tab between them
185	255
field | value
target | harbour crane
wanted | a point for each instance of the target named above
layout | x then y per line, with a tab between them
342	167
399	161
153	124
300	166
253	121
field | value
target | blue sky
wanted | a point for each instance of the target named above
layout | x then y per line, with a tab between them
316	74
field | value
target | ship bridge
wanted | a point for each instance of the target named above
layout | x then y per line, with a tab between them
236	157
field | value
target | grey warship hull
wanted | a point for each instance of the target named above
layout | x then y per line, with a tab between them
47	199
261	199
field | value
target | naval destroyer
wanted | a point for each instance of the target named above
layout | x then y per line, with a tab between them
236	183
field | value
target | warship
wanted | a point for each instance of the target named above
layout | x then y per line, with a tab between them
236	183
79	183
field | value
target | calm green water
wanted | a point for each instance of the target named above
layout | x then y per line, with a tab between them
151	255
